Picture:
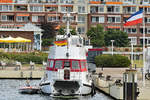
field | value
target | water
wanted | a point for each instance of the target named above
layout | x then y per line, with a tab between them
9	91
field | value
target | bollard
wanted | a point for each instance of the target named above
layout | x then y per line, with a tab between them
21	74
130	85
31	75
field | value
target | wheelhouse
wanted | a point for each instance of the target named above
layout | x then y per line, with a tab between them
71	64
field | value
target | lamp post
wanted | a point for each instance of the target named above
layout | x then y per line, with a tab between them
131	54
112	41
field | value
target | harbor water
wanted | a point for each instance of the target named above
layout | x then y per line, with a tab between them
9	91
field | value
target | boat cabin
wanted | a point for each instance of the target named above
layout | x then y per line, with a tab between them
71	64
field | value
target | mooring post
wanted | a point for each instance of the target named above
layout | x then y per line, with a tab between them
130	85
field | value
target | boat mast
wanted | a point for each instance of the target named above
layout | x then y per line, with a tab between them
68	24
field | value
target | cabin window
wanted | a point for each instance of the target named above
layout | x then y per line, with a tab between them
51	63
58	64
83	64
66	63
75	65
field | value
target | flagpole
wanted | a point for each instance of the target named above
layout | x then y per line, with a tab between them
144	47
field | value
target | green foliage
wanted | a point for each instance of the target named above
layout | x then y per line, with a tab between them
96	35
62	31
73	32
120	37
47	42
112	61
36	57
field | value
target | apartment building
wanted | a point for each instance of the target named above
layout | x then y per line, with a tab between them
84	14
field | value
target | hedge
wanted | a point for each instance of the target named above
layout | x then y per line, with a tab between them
37	57
112	61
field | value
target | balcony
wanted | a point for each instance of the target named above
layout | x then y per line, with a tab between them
20	8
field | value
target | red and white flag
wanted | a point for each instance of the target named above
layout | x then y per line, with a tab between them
135	19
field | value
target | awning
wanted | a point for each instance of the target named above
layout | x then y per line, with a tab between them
7	40
51	5
22	14
6	1
95	2
20	39
14	40
117	3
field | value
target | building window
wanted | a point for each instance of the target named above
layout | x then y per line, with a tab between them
5	7
21	1
81	1
51	1
133	40
93	9
52	18
113	9
7	18
101	9
66	1
35	1
114	19
81	30
81	9
72	18
101	19
81	19
36	8
98	19
22	18
38	18
129	9
67	9
49	9
130	30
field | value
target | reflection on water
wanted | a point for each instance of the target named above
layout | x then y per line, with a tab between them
9	91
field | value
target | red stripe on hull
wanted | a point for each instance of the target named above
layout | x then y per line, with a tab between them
134	22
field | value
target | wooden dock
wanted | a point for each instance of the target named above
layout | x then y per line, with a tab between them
116	90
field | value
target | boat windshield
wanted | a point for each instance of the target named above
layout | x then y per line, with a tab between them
83	64
75	65
58	64
66	63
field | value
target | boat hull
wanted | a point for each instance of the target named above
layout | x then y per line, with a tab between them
84	89
28	90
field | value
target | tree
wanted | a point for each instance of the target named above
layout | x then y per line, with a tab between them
62	31
48	30
120	37
47	42
96	34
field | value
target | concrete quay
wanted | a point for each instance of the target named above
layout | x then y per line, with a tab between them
23	73
116	90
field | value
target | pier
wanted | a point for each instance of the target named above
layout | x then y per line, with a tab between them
114	88
23	73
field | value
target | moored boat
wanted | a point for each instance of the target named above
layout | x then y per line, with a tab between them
66	72
29	90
